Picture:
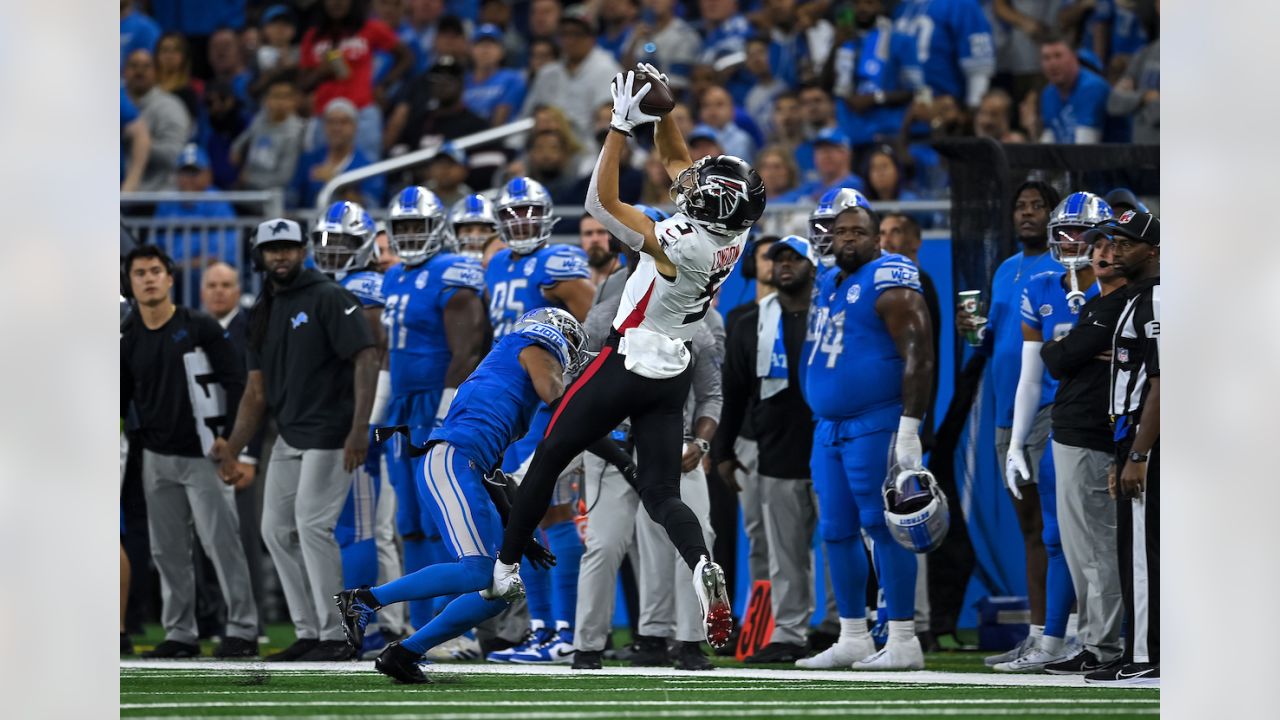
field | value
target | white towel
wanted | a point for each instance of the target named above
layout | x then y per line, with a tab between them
771	354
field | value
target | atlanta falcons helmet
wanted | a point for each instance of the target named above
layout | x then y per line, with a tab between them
342	239
472	210
1068	223
416	225
823	219
526	215
559	332
915	509
721	192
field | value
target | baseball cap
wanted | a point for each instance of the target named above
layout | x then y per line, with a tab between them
1124	198
450	151
278	230
703	132
488	31
341	105
277	12
1140	226
580	15
797	244
832	136
193	156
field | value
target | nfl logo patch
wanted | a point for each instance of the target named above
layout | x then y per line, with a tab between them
420	281
1122	355
1046	310
855	292
1127	216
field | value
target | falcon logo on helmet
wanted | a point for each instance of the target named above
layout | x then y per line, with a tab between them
342	239
416	225
722	193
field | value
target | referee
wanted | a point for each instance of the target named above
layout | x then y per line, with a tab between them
1135	405
312	361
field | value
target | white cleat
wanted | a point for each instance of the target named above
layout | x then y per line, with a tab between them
896	655
1033	661
840	655
713	597
507	584
1027	645
459	648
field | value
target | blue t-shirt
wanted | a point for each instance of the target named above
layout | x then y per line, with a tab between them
1045	310
726	38
504	87
951	36
883	60
1125	29
814	189
414	318
305	188
137	32
516	282
186	245
1004	325
494	405
1086	106
838	384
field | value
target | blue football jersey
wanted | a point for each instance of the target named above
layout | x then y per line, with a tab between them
1004	322
494	406
1127	34
414	318
504	87
883	60
516	282
1045	310
1085	107
868	377
951	36
367	286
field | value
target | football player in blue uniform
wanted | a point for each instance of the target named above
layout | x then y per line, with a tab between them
1050	305
473	229
491	409
822	219
436	335
526	275
870	304
953	40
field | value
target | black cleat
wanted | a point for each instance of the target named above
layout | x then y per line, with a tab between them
587	660
688	656
1131	674
236	648
1083	663
294	652
355	614
650	652
172	649
401	665
126	645
329	651
777	653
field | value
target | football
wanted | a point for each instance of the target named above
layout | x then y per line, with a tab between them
659	101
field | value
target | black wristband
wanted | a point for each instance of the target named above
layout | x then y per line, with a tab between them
619	130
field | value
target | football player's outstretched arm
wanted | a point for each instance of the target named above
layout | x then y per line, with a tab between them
545	371
670	146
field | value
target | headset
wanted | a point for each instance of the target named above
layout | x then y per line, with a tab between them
749	269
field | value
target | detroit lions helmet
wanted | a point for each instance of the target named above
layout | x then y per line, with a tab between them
915	509
1068	223
416	225
526	215
823	218
476	212
559	332
720	192
655	214
342	239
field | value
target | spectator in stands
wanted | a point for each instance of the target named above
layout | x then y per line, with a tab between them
799	43
1073	106
666	41
832	155
277	54
715	109
498	14
338	155
1116	32
447	175
992	118
778	170
549	163
884	176
195	248
786	126
1137	94
167	120
451	38
579	82
491	91
654	191
418	32
173	73
267	153
819	113
431	110
956	48
724	29
1026	23
197	20
704	141
337	62
137	139
618	20
137	30
542	52
765	86
877	75
544	18
226	60
226	121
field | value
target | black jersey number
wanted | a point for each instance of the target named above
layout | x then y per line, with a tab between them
708	292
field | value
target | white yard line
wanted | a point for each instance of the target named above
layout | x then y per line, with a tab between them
914	702
792	711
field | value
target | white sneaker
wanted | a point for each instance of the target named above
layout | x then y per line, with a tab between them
840	655
507	584
713	597
1033	661
1027	645
556	651
896	655
459	648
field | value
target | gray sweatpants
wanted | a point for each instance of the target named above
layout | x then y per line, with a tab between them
790	511
752	500
180	492
610	536
1087	524
668	605
305	492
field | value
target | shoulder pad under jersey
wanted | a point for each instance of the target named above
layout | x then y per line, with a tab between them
549	338
367	287
565	262
463	272
896	271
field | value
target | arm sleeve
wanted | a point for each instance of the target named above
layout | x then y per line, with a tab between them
616	227
348	332
226	364
735	388
1027	400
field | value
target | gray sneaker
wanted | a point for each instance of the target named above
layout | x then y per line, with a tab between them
1027	645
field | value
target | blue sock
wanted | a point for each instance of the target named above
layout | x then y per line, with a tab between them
897	568
1059	592
567	546
466	575
418	554
847	563
462	614
537	590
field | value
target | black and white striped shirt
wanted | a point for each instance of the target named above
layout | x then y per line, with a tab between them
1135	350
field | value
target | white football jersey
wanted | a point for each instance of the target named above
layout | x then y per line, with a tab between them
673	308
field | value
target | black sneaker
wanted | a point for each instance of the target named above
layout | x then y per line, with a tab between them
1083	663
126	645
777	653
1126	675
650	652
355	611
173	649
688	656
401	665
300	647
236	648
329	651
587	660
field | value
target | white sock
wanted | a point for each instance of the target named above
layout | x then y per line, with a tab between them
1051	645
536	624
852	629
902	630
562	625
1037	631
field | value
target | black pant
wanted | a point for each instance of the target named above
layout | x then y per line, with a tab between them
602	397
1140	560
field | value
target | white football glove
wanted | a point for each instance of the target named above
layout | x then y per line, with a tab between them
646	67
1015	468
907	448
626	107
